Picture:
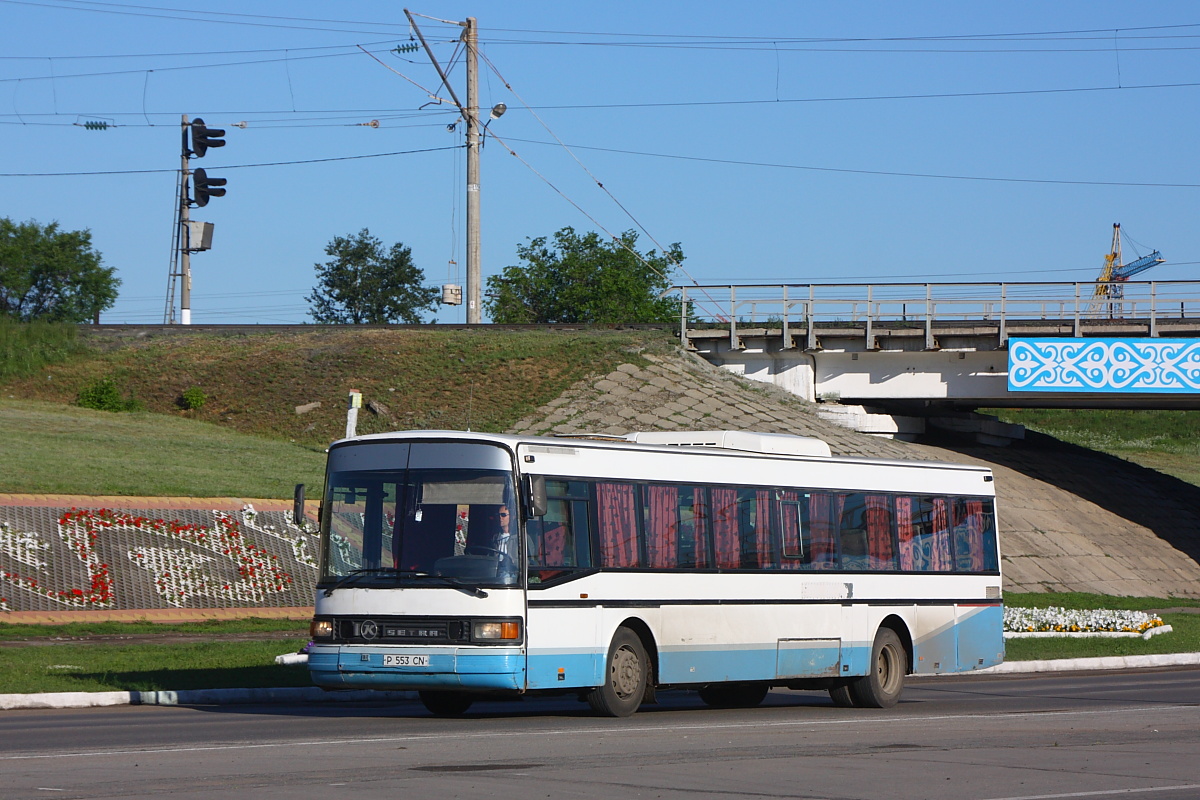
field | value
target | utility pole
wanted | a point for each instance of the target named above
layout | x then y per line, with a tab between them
470	114
471	39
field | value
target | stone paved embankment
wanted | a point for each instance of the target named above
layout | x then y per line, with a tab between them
1070	519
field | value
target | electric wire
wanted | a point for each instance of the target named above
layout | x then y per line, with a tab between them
885	173
230	166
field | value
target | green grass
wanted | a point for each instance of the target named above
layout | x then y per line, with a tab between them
161	667
56	449
1083	600
1167	441
1183	638
26	348
70	630
147	665
424	377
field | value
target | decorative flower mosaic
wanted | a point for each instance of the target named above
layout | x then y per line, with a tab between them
24	547
179	574
1067	621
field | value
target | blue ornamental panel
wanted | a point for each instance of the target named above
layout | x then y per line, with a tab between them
1147	366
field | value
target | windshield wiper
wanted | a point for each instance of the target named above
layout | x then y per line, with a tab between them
455	583
358	573
466	588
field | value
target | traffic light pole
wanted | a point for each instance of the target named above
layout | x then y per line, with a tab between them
185	255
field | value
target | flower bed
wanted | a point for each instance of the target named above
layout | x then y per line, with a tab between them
179	574
1054	621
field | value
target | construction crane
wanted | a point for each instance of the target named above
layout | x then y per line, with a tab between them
1109	288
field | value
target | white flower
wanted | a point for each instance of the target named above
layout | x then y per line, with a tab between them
1071	620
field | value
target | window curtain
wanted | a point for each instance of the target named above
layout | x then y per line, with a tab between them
725	528
940	555
910	555
824	518
617	521
881	554
554	546
975	544
700	529
793	543
762	530
662	526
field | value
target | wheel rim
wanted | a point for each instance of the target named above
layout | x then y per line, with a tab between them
886	669
626	672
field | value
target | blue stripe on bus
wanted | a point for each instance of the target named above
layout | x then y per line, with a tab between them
338	668
974	641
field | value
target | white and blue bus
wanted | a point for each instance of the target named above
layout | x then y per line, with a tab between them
464	565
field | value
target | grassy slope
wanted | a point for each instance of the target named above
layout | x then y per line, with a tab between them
57	449
247	440
1167	441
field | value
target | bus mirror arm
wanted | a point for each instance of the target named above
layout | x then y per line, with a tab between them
298	505
536	495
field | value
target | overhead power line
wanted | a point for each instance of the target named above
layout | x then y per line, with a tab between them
771	165
231	166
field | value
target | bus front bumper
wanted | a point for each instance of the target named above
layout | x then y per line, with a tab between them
367	667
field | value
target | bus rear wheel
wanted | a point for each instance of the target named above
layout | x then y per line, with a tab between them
841	696
446	704
884	681
625	677
733	695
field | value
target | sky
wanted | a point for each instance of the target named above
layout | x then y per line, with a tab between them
777	142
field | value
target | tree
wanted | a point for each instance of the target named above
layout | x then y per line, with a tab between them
584	279
366	285
51	274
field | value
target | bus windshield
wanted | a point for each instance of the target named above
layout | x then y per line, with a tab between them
418	527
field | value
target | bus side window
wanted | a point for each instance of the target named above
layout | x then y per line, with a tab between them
694	545
560	539
797	543
881	548
549	536
660	520
853	531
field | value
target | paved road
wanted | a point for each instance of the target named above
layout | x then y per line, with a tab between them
1082	735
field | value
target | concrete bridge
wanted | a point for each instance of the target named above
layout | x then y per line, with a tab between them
891	358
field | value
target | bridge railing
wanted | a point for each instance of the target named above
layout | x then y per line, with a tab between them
807	307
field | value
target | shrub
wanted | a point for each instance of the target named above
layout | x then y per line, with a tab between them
103	395
193	399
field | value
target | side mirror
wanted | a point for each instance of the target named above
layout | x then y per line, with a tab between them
298	505
537	496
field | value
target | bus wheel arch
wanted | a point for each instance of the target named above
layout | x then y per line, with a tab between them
900	628
629	669
891	659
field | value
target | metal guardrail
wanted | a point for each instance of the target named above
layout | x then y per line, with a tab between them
810	306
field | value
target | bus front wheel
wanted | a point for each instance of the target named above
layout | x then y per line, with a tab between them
884	681
625	677
446	704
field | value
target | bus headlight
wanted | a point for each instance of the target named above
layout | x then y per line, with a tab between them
321	629
496	630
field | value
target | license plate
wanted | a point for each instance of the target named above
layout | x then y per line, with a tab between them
406	661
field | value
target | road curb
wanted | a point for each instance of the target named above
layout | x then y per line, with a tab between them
198	697
312	694
1104	662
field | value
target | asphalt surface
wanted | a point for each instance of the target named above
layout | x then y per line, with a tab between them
316	695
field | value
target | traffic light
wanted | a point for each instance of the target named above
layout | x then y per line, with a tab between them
205	187
204	137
